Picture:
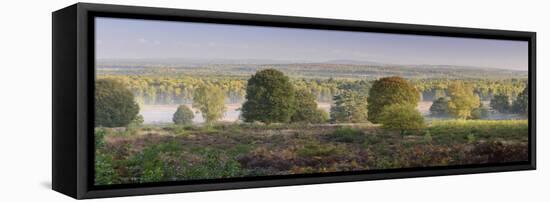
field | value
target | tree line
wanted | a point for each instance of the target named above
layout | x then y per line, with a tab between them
152	89
271	97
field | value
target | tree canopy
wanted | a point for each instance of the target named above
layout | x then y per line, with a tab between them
210	101
463	100
270	98
183	115
389	91
440	107
349	107
114	104
521	105
501	103
402	117
306	108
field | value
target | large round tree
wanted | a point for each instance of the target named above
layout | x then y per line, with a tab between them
269	98
389	91
114	104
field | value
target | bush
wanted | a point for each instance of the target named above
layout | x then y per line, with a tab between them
114	104
480	113
348	135
402	118
440	107
183	116
501	103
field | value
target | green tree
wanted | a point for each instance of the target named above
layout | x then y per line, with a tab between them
480	112
349	107
501	103
114	104
440	107
183	115
521	104
463	100
402	117
269	98
306	108
389	91
210	101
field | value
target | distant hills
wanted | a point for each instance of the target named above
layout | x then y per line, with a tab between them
328	69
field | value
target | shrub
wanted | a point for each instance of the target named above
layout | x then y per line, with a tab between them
501	103
347	134
480	113
440	107
183	115
402	118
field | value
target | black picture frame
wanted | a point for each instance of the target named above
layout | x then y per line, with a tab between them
73	91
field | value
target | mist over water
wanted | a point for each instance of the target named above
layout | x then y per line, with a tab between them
162	114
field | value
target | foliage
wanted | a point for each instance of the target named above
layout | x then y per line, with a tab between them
183	115
269	98
349	107
114	104
306	108
501	103
210	101
440	107
105	173
389	91
463	100
521	105
347	134
401	117
480	113
138	120
457	131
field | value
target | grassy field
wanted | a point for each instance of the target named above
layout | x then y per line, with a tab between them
154	153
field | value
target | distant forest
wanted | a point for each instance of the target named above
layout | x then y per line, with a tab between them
154	84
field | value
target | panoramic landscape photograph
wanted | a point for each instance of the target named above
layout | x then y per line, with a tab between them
184	101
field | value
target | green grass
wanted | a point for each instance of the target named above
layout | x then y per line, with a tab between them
460	131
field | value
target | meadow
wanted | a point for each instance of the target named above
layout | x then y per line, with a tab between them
154	153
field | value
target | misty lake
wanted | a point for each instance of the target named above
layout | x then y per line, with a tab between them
162	114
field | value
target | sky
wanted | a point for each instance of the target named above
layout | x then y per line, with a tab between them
118	38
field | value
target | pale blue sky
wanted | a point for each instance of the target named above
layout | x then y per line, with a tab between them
143	39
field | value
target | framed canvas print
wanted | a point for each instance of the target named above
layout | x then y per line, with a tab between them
154	100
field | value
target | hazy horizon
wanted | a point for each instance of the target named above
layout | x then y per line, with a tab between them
129	39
